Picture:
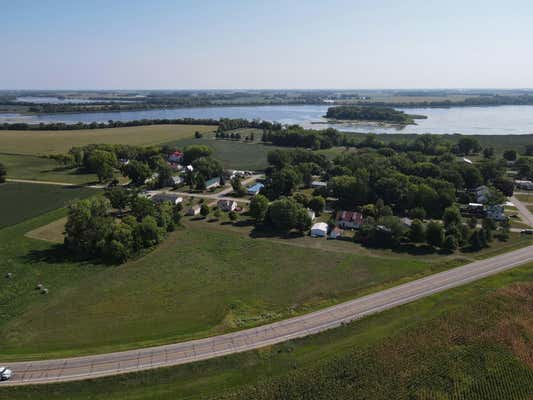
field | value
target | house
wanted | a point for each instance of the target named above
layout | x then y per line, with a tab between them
496	212
176	157
406	221
227	205
349	219
172	198
311	214
320	229
212	183
473	210
255	189
481	193
335	233
177	180
524	185
152	179
194	210
318	184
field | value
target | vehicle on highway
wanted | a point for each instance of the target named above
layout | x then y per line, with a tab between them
526	231
5	373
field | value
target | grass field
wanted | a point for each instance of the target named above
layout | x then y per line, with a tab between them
201	281
471	342
20	201
53	142
234	154
52	232
526	198
42	169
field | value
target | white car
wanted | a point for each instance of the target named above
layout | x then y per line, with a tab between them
5	373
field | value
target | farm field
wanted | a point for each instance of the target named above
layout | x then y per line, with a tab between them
21	201
42	169
54	142
472	342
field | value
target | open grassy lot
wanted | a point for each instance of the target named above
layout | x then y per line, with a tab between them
20	201
52	232
201	281
42	169
234	154
53	142
471	342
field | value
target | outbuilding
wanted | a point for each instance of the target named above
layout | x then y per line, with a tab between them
194	210
212	183
255	189
320	229
171	198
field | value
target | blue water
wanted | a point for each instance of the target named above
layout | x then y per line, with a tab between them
503	120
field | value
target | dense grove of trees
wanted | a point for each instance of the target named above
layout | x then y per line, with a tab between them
92	231
362	113
421	179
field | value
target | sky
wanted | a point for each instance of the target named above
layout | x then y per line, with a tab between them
292	44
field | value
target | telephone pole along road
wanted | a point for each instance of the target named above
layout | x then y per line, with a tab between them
70	369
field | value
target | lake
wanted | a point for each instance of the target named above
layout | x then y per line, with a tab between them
501	120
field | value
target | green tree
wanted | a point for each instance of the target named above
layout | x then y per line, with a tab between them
283	214
434	234
450	243
510	155
258	208
452	216
468	145
233	216
417	232
88	223
194	152
137	171
142	207
317	204
237	186
204	210
149	232
119	197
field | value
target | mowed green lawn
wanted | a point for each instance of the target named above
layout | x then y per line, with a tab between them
20	201
197	283
42	169
54	142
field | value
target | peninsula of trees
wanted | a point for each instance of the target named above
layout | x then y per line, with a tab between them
373	114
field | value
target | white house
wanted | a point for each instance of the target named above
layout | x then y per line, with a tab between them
171	198
194	210
318	184
320	229
525	185
227	205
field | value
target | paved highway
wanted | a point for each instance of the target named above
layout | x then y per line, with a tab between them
69	369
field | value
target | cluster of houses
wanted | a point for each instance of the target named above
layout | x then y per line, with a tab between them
343	220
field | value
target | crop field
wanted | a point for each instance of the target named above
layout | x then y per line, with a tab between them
20	201
42	169
471	342
54	142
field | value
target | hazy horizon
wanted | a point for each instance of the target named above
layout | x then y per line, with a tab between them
279	45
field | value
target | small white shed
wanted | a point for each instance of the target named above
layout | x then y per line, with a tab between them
320	229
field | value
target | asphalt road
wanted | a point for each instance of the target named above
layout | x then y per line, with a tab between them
69	369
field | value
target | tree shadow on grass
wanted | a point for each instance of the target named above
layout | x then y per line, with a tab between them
55	254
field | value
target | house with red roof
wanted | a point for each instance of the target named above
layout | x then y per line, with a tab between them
349	219
176	157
